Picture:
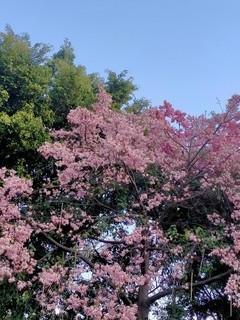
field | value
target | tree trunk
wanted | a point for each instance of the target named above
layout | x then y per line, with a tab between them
143	306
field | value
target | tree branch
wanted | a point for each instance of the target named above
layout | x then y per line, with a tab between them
59	245
169	291
107	241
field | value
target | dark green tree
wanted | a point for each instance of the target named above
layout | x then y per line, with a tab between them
66	52
20	136
120	88
24	100
138	106
70	86
24	77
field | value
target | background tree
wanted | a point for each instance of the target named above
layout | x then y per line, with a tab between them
138	105
36	93
70	87
24	79
20	136
24	100
120	88
66	52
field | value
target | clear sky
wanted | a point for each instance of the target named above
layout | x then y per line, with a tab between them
184	51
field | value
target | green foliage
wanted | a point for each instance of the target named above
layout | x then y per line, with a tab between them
138	106
175	311
70	87
173	233
29	129
20	135
208	240
66	52
23	77
13	304
4	96
121	88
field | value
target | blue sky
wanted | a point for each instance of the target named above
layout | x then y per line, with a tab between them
184	51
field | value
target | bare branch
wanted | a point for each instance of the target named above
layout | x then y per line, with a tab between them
59	245
169	291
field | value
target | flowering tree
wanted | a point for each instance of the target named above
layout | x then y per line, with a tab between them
144	207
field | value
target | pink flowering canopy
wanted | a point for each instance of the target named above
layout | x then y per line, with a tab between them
142	208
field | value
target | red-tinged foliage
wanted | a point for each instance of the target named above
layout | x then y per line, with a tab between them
145	206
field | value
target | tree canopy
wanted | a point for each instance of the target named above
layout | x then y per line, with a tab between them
142	213
24	78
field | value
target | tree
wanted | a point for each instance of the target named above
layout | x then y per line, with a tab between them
30	90
24	101
24	78
143	211
138	106
66	52
70	86
121	89
20	136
